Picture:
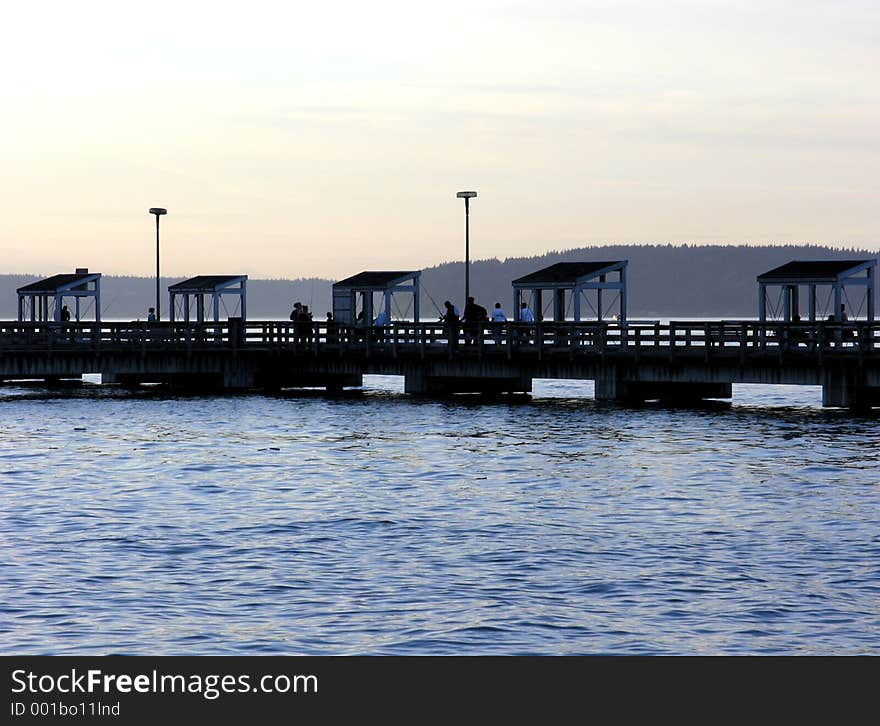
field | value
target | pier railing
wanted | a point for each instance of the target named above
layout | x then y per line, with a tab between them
725	338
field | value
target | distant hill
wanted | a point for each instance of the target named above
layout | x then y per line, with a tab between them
663	281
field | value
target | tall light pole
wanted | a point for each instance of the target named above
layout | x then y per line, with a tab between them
158	211
467	196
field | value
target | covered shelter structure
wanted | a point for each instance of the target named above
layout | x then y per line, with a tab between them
573	284
43	300
822	279
353	297
192	295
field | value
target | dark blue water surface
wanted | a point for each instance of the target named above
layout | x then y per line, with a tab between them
375	523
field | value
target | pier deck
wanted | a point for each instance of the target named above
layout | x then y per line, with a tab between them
636	360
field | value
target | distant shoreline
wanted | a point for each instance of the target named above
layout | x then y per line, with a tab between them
663	281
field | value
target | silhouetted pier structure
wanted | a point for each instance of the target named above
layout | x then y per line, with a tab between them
629	361
570	283
806	279
43	300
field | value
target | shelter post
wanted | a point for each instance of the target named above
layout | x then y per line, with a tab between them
762	302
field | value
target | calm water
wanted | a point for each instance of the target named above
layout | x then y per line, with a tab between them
146	523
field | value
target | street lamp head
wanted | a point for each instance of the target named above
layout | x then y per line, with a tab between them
158	211
466	195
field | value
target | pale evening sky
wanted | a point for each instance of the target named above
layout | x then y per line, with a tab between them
295	139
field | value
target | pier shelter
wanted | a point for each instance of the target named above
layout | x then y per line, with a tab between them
823	280
192	295
42	301
353	297
575	283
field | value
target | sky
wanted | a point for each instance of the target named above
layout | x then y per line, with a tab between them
291	139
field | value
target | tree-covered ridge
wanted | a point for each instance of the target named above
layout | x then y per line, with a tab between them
663	280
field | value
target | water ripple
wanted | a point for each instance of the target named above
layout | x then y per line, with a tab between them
142	522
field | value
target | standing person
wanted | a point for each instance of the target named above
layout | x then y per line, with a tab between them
526	316
382	319
65	318
474	315
151	315
843	319
450	320
308	328
498	317
332	336
296	319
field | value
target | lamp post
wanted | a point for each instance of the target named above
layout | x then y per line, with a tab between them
158	211
467	196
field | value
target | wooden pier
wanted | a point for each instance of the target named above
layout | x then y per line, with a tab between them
632	361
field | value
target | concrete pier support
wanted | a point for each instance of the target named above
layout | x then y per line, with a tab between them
418	382
840	390
239	378
612	384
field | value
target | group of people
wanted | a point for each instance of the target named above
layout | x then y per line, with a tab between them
302	323
470	323
475	317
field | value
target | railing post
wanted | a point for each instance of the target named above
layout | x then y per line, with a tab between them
862	336
707	340
236	333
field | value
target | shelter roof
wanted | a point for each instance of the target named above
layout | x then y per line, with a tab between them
815	270
376	279
206	283
59	283
569	273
